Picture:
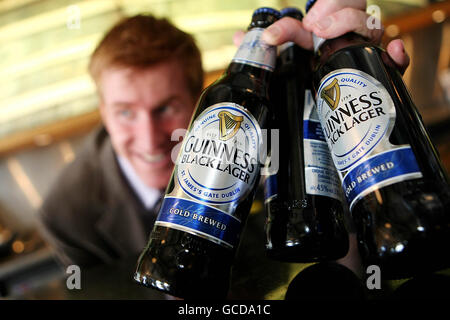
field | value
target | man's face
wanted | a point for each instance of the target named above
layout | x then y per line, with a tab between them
141	109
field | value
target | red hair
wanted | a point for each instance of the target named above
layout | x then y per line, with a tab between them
142	41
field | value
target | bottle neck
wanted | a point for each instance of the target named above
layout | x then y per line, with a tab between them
261	75
254	52
290	53
324	48
287	52
294	61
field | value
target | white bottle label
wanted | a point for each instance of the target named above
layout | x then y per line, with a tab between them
254	51
357	115
320	174
219	160
217	166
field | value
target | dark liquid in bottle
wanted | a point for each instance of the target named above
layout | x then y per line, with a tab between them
300	226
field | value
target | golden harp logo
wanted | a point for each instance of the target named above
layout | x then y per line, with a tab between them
331	94
229	125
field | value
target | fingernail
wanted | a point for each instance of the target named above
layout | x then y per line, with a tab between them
403	45
323	24
271	34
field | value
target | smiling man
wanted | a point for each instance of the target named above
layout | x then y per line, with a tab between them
102	207
140	110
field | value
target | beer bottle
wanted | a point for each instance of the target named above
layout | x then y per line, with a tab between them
305	217
392	178
192	245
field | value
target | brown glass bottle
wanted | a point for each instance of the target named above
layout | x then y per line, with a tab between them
194	240
395	185
305	217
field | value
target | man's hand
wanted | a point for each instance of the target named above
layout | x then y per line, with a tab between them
329	19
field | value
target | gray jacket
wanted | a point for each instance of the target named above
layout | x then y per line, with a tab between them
91	215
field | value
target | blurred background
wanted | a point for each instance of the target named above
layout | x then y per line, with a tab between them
48	102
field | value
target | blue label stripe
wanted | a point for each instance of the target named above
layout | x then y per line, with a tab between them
270	187
379	169
313	130
217	225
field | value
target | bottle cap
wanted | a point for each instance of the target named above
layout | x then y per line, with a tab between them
267	10
264	17
292	12
309	4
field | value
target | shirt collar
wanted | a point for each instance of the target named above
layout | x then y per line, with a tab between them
148	196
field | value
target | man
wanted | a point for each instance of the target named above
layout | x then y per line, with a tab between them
102	207
148	75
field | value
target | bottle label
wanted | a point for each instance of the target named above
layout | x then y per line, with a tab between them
217	166
200	219
320	174
255	52
357	115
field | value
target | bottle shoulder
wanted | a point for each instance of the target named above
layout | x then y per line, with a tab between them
240	88
367	58
349	56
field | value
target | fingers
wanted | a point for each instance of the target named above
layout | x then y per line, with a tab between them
344	21
396	50
332	18
323	8
288	29
327	19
